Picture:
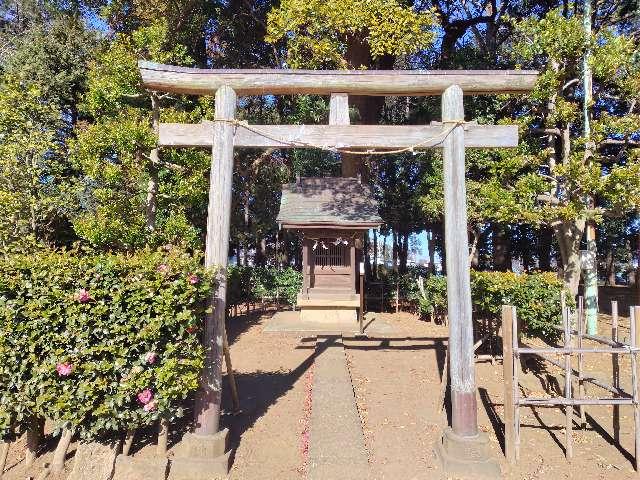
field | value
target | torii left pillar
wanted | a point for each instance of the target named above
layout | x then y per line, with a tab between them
203	454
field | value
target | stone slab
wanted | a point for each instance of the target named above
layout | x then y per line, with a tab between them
289	323
336	441
330	315
94	461
131	468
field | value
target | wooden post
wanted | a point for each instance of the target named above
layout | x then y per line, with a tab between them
515	344
306	268
581	387
635	341
508	312
339	109
232	378
615	367
567	386
352	270
361	313
208	398
464	415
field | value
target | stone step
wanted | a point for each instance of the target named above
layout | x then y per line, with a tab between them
333	295
333	302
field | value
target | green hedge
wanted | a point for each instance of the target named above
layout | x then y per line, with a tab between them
536	297
99	342
255	283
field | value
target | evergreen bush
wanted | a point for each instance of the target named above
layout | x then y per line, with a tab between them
99	342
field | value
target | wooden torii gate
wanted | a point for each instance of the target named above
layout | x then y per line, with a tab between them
462	449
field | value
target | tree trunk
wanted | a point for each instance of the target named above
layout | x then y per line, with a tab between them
261	252
384	250
60	454
569	234
151	204
245	244
610	268
474	257
35	432
501	248
432	253
395	251
545	240
404	251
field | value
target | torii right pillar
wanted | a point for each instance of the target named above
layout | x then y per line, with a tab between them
463	450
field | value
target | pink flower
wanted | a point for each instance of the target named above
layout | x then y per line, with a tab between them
145	396
192	278
64	369
151	406
151	358
163	268
83	296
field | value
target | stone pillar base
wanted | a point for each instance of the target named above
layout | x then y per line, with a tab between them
201	457
466	457
129	468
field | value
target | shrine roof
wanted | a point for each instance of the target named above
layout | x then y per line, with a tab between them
328	201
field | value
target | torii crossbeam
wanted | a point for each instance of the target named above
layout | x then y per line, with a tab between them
462	449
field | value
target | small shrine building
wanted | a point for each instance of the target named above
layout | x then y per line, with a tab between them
331	214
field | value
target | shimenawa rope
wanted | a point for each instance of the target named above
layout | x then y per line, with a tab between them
335	149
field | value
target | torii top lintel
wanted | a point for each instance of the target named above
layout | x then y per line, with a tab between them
196	81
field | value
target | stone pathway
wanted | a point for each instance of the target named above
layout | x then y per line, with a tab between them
337	449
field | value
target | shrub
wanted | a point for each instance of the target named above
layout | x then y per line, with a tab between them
255	283
536	297
99	342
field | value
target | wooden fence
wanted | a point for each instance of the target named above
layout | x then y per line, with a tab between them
514	349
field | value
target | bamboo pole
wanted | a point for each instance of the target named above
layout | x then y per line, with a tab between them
60	454
570	350
508	312
634	340
567	386
594	381
128	441
581	388
555	402
616	370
